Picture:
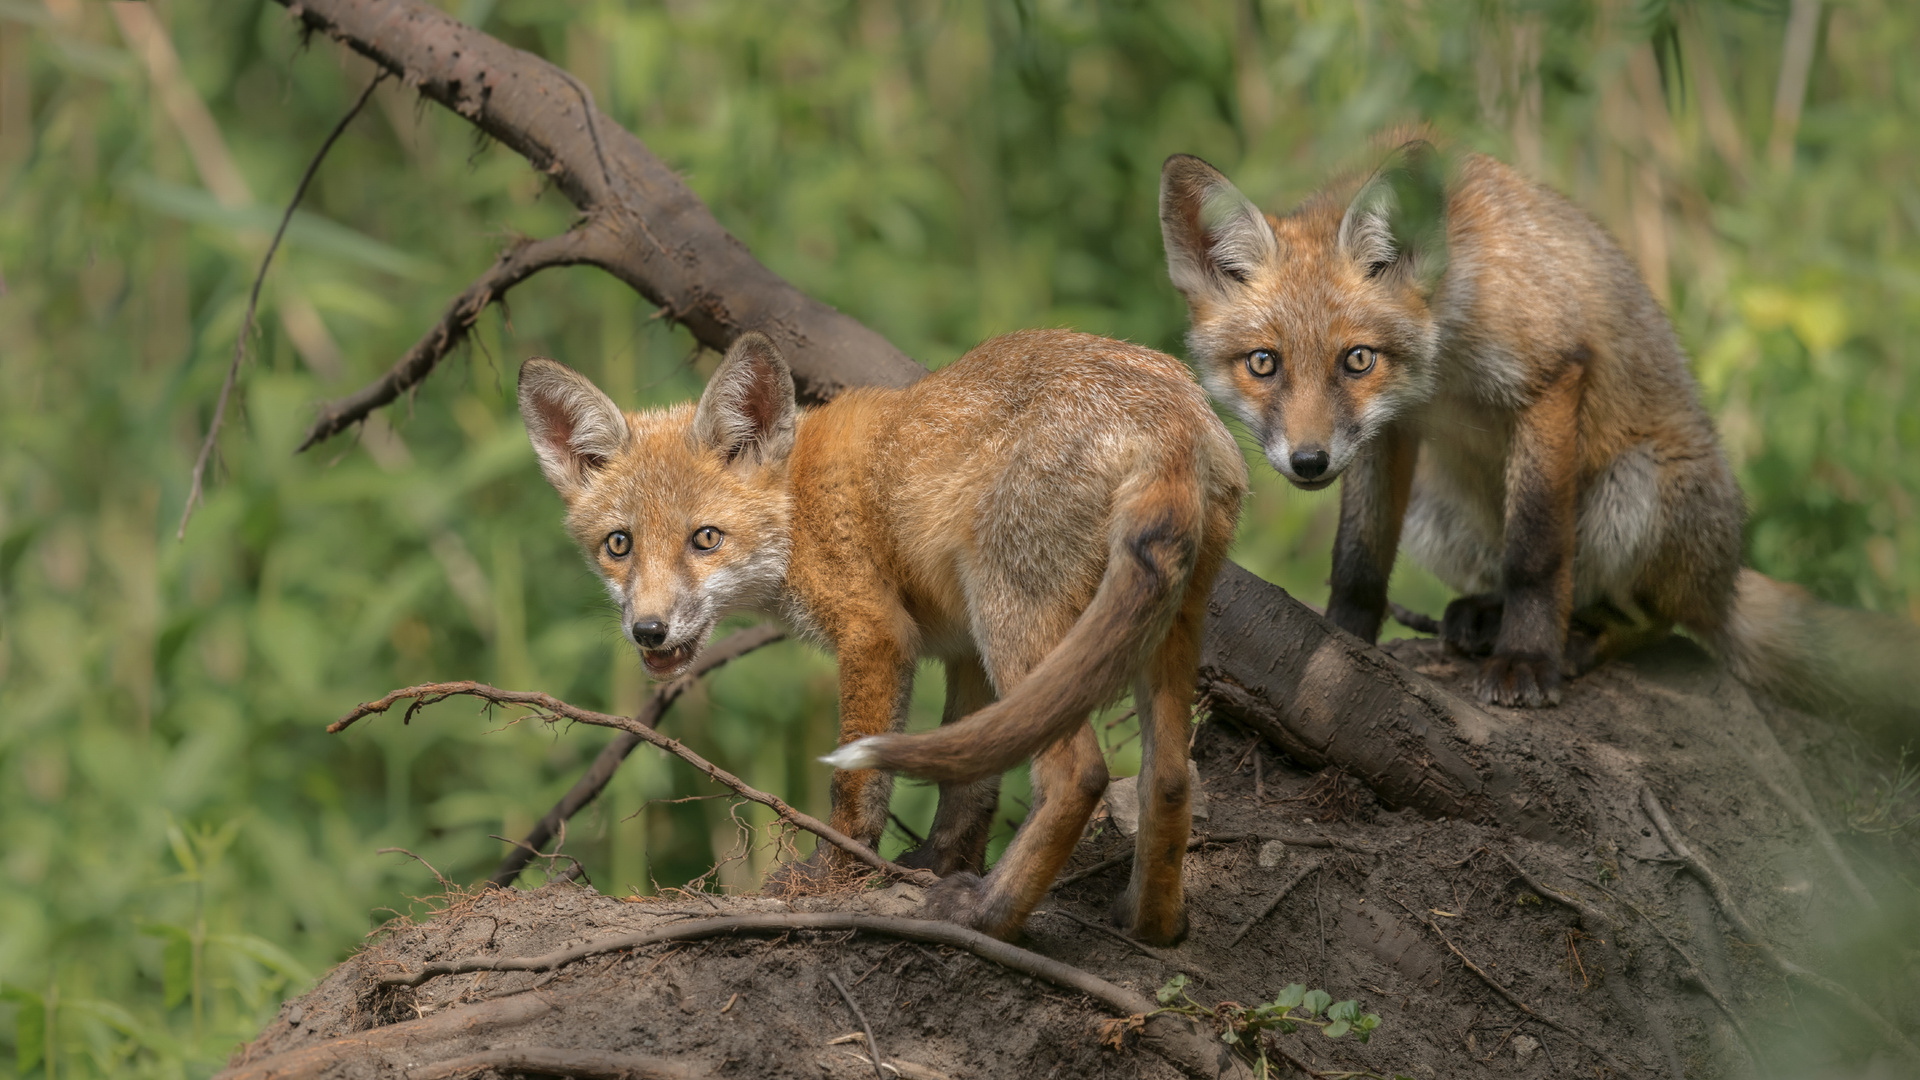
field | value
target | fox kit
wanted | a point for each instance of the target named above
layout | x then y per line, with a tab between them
1482	364
1045	516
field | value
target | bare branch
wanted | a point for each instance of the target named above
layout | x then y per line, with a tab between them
662	240
553	708
253	304
587	243
589	786
1274	902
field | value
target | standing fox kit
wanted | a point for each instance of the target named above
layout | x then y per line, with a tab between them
1045	516
1501	393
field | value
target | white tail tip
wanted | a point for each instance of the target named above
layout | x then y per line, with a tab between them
858	754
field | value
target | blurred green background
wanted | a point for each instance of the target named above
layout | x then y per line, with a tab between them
181	845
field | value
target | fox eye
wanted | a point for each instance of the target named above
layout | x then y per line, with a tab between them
1261	363
1359	360
619	544
706	538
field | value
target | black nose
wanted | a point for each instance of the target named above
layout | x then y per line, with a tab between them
1308	464
649	633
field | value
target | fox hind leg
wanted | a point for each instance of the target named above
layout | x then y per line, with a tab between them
958	838
1068	779
1153	907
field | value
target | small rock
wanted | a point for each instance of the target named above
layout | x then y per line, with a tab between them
1524	1047
1273	853
900	901
296	1014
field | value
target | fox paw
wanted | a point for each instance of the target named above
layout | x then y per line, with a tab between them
1164	927
1471	624
1520	680
967	899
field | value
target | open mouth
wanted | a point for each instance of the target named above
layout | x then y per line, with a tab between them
664	662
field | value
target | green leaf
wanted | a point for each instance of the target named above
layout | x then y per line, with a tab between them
1336	1029
1367	1023
1230	1036
29	1028
1290	997
1344	1010
177	970
1316	1001
266	953
1174	988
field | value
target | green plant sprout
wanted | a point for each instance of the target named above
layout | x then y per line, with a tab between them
1242	1026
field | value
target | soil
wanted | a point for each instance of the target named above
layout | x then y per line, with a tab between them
1743	781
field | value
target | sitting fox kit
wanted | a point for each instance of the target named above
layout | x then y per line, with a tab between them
1484	367
1045	516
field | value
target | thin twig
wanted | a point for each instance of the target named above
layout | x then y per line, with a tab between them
552	708
195	489
444	883
873	1044
1279	895
600	773
1602	929
585	243
531	853
1607	1059
1140	947
917	839
1723	898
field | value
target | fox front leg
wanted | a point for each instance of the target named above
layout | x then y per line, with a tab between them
1537	566
1373	503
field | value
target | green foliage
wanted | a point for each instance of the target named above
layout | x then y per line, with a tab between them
185	846
1242	1027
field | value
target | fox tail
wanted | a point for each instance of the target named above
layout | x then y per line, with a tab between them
1154	544
1858	664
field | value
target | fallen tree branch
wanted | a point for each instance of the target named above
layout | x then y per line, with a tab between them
585	244
553	708
552	1061
1172	1037
195	488
1312	866
1605	1058
1730	910
600	773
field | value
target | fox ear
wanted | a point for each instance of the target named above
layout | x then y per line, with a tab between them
748	407
574	427
1216	238
1397	223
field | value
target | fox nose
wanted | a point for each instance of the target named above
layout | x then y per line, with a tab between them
1308	464
649	633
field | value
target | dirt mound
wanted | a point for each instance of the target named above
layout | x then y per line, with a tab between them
1608	961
